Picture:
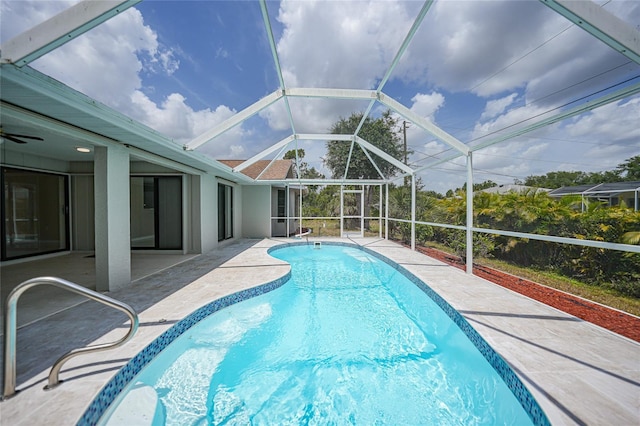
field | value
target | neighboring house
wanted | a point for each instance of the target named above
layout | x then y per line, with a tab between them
504	189
611	193
285	205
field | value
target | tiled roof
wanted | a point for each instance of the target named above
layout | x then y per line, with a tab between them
280	169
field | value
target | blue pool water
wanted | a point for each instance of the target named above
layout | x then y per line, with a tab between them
347	340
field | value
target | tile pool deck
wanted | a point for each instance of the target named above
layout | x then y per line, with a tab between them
578	372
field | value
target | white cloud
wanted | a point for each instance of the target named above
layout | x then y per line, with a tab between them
107	64
19	16
497	106
351	45
462	43
426	105
612	129
339	44
615	122
490	47
512	119
103	63
334	45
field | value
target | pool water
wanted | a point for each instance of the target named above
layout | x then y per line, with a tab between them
348	340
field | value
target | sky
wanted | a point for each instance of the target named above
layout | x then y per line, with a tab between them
473	69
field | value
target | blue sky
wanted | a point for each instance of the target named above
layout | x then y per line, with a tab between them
473	68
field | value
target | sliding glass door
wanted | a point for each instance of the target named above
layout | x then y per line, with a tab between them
156	212
35	213
225	212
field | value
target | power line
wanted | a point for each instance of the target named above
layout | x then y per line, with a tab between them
527	54
519	59
556	108
578	83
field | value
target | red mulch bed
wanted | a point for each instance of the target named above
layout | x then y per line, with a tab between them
611	319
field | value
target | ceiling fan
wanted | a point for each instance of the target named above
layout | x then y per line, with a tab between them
13	137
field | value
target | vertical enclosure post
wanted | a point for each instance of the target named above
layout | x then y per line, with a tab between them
413	211
380	212
386	212
287	207
341	211
362	211
469	245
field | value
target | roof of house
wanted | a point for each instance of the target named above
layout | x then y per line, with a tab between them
279	169
503	189
602	189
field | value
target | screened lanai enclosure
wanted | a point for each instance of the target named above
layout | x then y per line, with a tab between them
470	92
593	19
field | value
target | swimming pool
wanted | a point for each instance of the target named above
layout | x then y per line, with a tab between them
351	338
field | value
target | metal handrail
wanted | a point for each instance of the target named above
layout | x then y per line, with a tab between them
10	327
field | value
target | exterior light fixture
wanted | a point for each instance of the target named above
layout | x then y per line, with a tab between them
82	149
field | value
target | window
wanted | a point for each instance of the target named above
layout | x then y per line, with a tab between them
35	213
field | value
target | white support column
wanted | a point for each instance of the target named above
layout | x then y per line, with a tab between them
413	211
112	218
386	212
469	244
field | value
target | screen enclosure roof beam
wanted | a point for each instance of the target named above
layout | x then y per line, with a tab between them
234	120
604	100
59	29
380	153
602	24
423	123
284	142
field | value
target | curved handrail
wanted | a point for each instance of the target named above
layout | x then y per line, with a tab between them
10	327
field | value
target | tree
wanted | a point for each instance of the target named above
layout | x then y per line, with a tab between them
553	180
380	132
476	187
627	171
630	168
304	170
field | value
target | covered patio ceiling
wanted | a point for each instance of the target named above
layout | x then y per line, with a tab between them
25	48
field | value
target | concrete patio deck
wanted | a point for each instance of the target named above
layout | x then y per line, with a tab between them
578	372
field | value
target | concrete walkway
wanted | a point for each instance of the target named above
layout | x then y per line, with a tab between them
579	373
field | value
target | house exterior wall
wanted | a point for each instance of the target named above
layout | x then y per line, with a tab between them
256	201
94	220
237	211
